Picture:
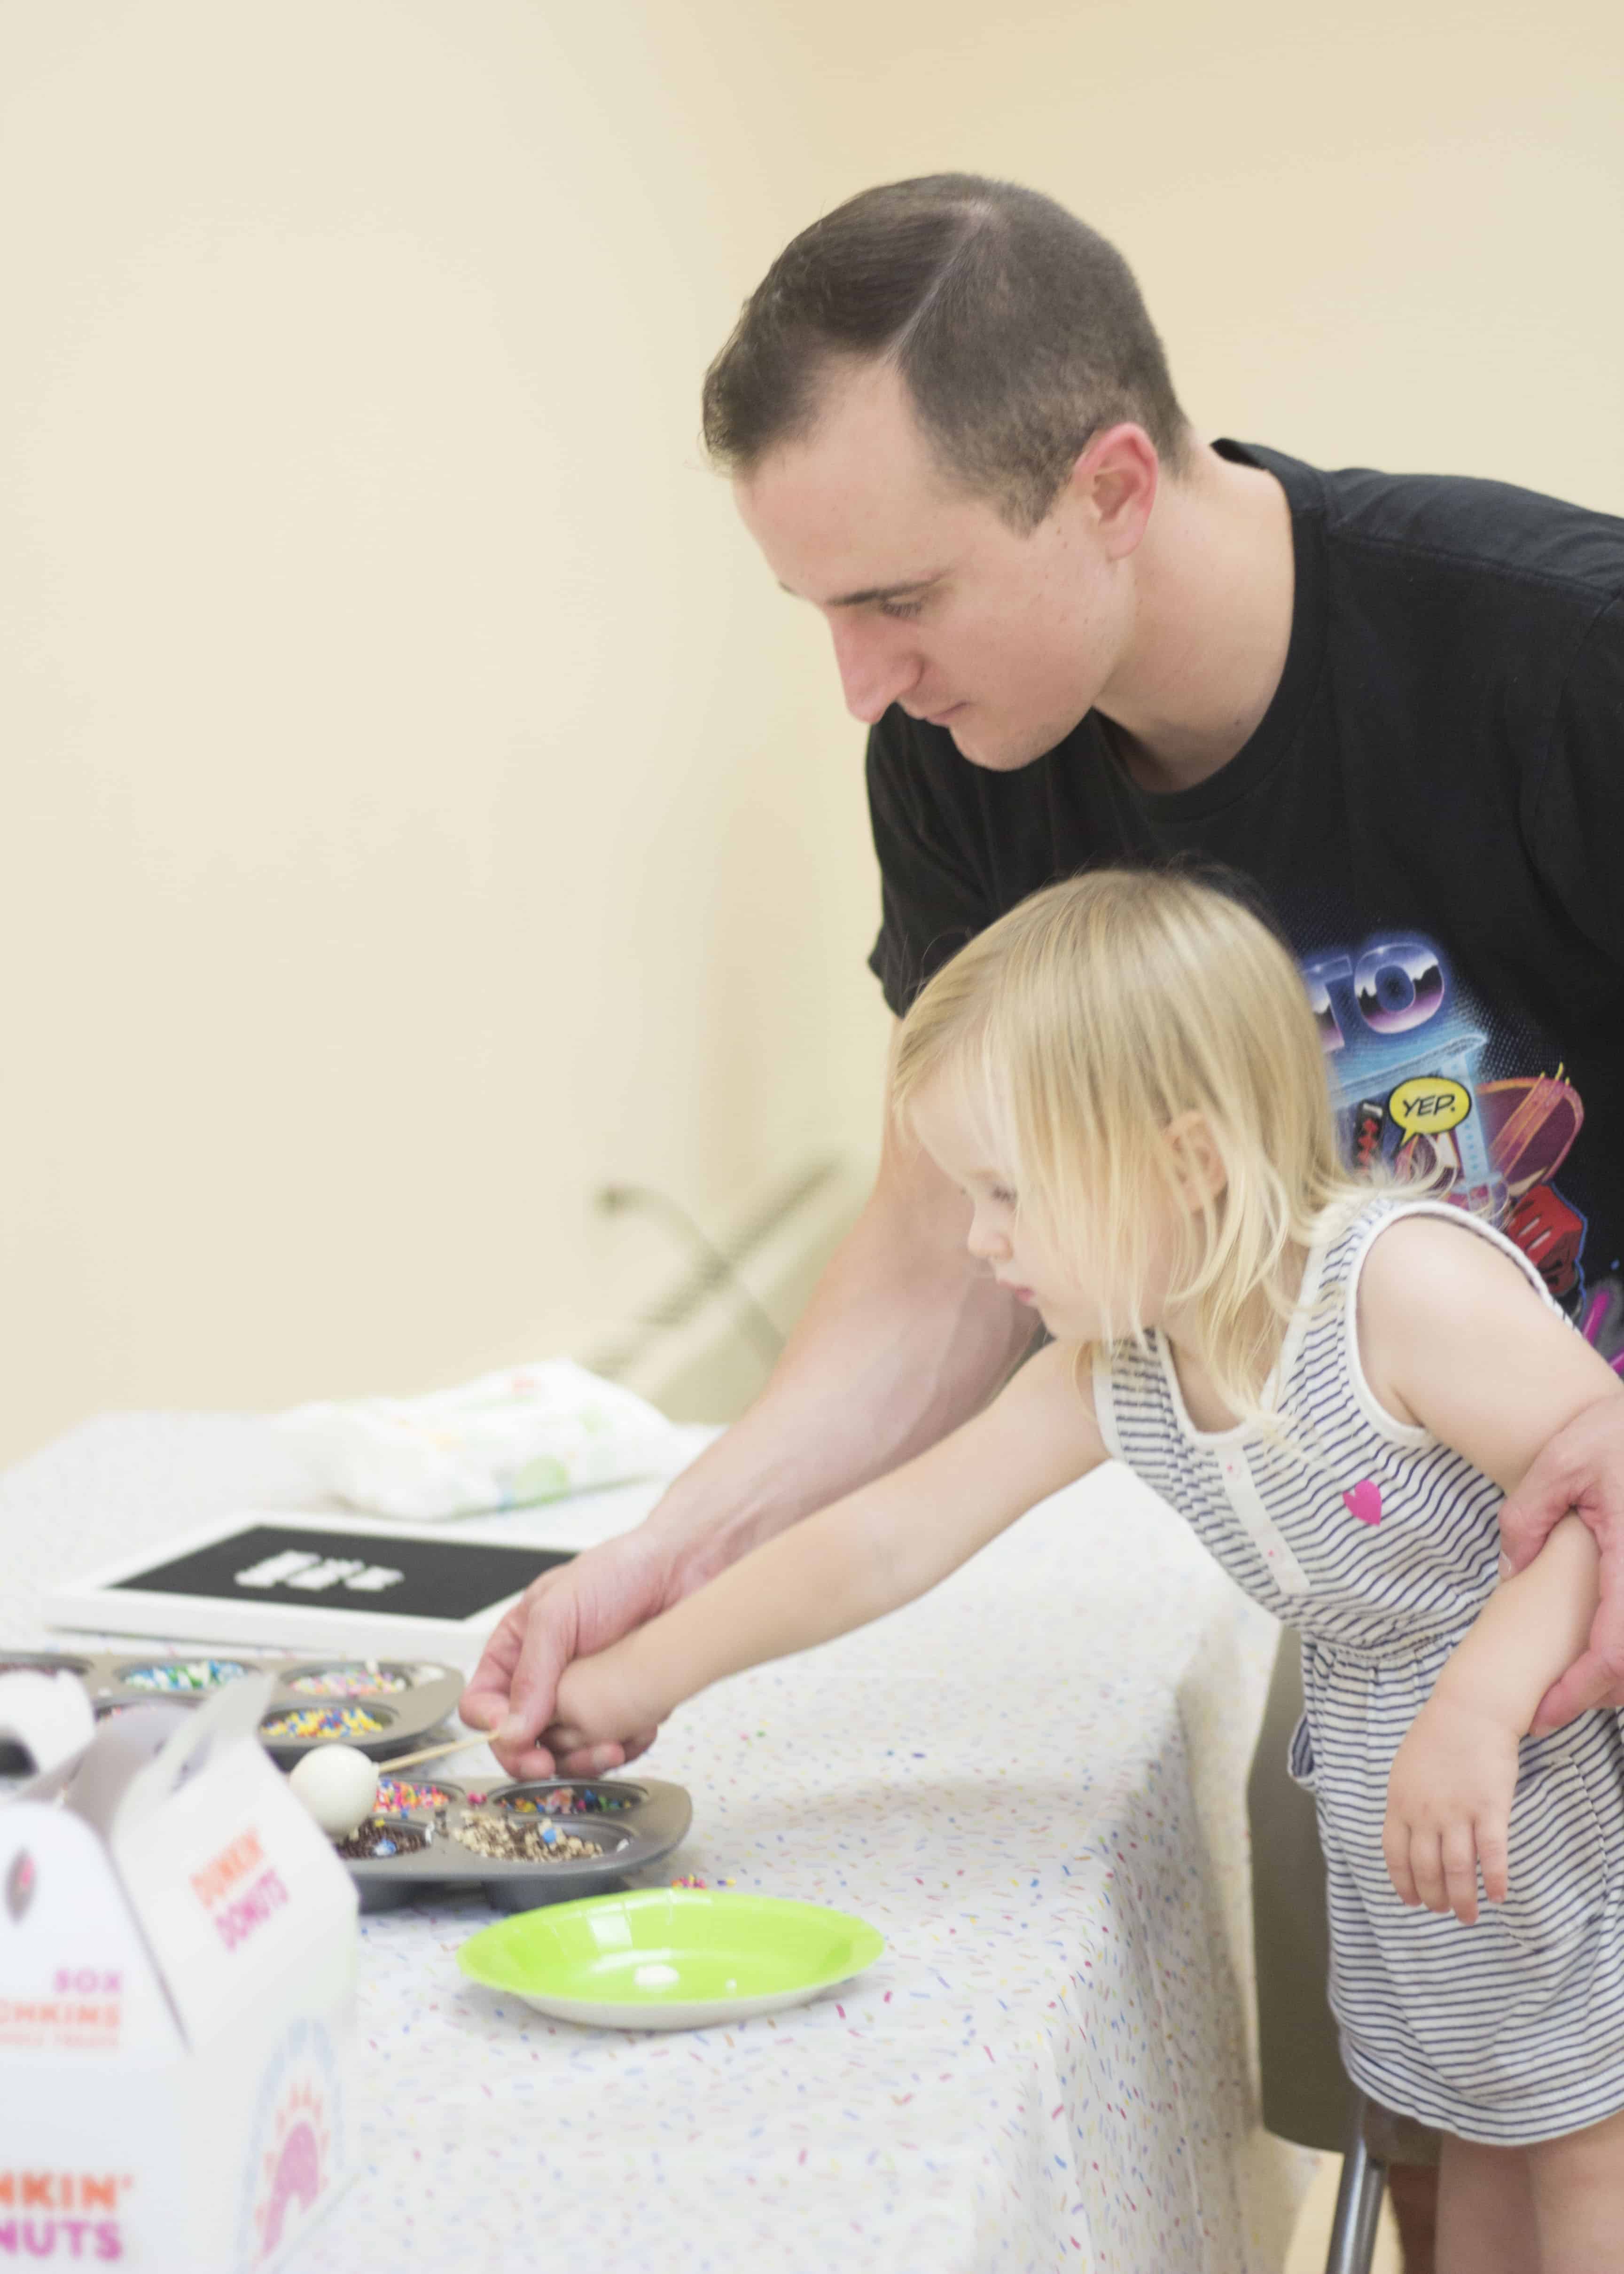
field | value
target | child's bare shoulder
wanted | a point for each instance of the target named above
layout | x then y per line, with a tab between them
1433	1292
1454	1336
1421	1269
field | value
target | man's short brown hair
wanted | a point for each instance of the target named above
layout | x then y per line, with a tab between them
1016	329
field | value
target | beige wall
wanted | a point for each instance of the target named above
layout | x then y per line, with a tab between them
1388	235
420	806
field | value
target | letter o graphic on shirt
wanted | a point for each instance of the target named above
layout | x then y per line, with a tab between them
1398	983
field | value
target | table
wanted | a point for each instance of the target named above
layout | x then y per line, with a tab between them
1032	1783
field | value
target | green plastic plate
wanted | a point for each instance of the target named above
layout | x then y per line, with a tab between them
669	1957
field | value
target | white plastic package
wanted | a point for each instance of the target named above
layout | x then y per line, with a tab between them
531	1433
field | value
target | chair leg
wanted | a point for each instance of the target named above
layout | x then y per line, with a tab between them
1358	2199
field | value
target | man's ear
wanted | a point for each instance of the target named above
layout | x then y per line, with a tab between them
1198	1163
1116	475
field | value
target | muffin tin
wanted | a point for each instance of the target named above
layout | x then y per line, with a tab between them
381	1707
628	1822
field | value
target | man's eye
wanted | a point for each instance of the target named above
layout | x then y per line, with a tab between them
902	611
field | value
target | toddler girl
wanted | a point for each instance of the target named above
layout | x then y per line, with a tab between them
1336	1384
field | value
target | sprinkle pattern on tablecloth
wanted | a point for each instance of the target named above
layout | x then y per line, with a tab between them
1030	1782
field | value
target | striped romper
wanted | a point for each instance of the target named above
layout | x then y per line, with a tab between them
1380	1546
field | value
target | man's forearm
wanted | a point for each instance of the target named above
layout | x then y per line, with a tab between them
901	1341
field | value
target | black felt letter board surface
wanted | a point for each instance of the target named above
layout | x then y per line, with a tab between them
401	1573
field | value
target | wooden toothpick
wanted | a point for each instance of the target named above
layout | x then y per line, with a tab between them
433	1752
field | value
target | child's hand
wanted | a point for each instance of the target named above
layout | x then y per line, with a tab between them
599	1702
1449	1807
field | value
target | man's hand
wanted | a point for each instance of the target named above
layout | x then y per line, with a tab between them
573	1610
1449	1807
1582	1471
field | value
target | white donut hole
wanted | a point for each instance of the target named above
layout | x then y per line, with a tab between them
339	1786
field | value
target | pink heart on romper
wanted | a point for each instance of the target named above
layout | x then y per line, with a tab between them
1365	1502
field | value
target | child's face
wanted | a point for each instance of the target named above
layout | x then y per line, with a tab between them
1058	1287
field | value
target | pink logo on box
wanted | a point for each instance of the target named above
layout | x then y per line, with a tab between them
298	2144
293	2169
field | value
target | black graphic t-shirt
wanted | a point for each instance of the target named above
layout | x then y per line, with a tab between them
1434	805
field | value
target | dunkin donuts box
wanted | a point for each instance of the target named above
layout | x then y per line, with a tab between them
177	1955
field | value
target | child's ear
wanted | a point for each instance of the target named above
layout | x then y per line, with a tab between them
1198	1164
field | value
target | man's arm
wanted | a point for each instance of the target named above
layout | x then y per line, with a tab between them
1453	1337
1575	824
903	1339
1581	1469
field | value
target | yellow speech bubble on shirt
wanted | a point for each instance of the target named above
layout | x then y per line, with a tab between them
1428	1103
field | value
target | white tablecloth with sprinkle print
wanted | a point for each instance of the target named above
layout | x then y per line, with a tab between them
1032	1783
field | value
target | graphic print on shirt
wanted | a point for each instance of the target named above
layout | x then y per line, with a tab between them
1364	1501
1403	1047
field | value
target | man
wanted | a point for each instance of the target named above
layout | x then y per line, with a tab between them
1076	632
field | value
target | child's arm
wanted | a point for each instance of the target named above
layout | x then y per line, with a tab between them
1450	1793
857	1559
1453	1337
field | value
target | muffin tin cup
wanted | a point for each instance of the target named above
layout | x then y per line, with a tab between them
625	1838
199	1674
565	1800
334	1679
402	1799
44	1662
409	1716
364	1724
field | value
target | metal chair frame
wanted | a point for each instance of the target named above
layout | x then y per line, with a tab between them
1358	2199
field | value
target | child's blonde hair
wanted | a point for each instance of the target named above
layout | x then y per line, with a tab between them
1083	1025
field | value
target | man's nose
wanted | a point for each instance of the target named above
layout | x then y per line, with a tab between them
876	668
